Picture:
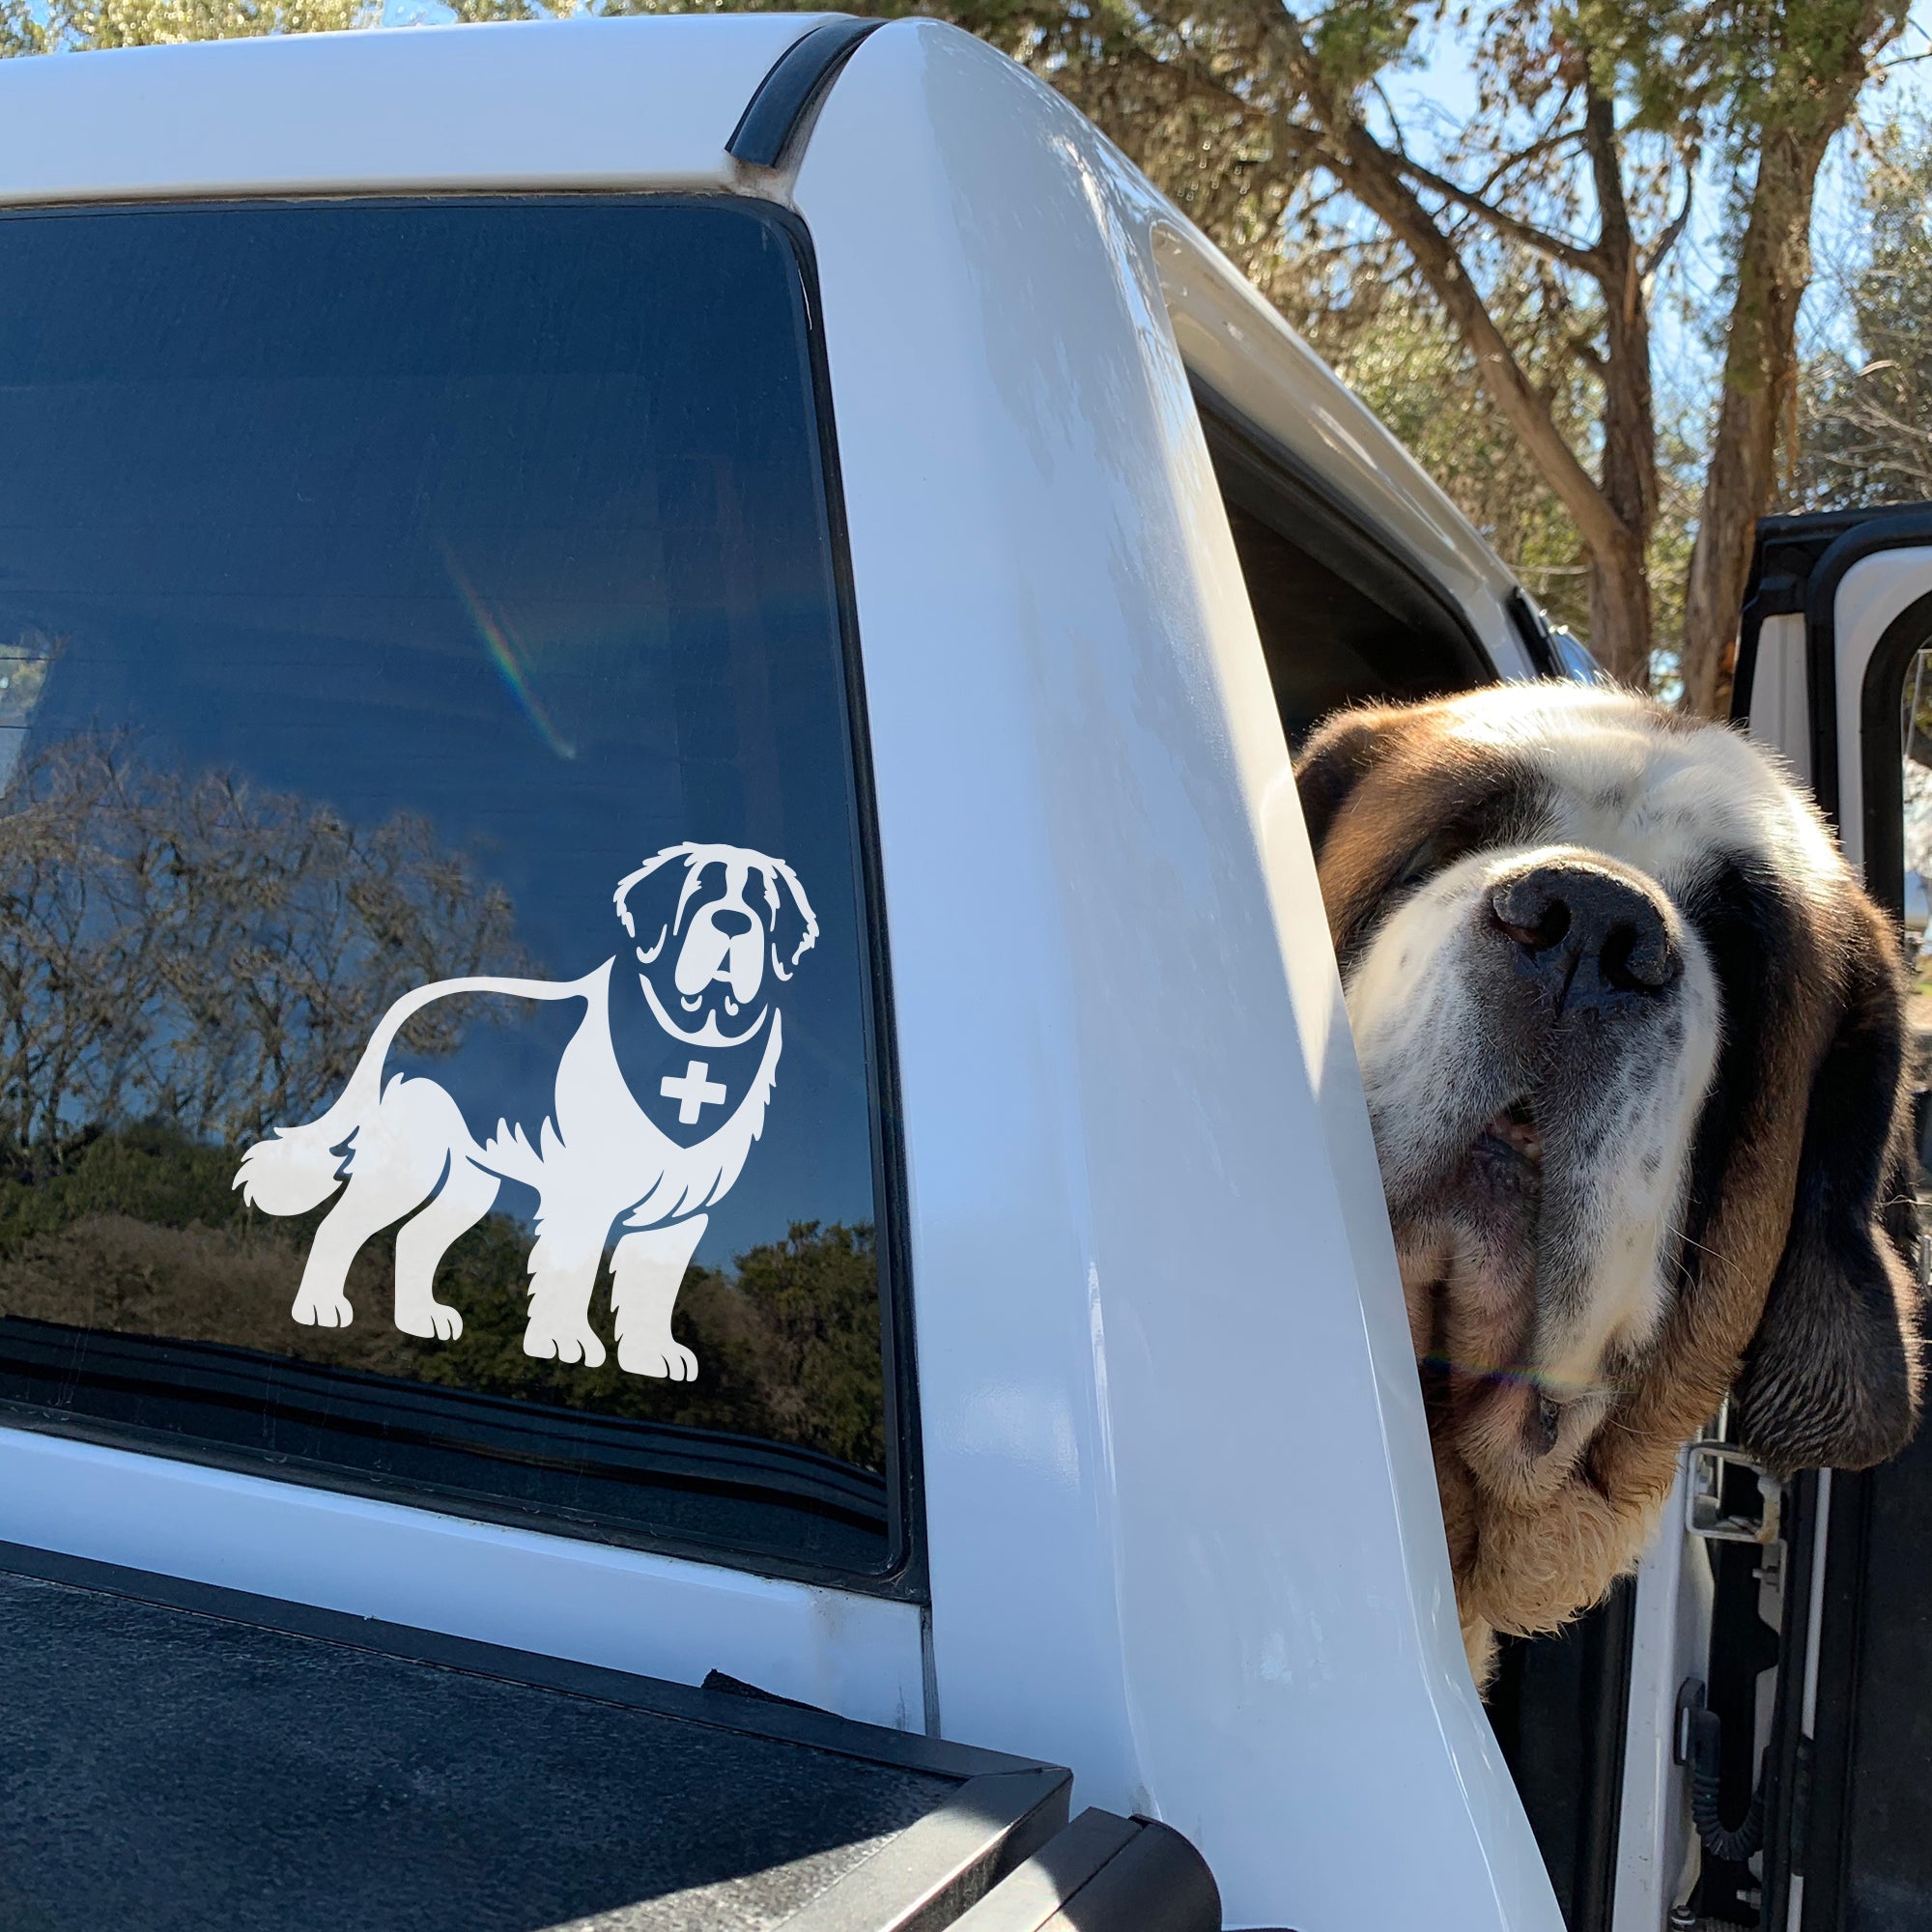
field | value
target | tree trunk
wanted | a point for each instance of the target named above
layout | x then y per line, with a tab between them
1613	516
1761	357
1760	372
1620	633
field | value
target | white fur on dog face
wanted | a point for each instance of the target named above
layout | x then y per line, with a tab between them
1562	1288
1436	1071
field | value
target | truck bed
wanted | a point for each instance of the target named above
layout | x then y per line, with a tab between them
178	1756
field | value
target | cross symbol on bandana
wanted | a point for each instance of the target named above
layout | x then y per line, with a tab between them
693	1092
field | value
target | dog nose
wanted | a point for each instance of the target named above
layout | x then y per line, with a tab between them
732	922
1587	938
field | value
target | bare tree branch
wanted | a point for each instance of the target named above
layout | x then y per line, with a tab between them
1555	248
1375	177
191	950
1661	249
1535	152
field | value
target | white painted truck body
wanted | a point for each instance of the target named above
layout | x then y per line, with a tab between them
1178	1506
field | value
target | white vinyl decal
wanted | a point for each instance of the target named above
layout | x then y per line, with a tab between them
717	931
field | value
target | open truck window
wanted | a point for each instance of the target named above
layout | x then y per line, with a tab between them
1342	619
440	1044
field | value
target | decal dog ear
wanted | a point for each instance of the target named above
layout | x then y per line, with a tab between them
790	920
1831	1379
650	899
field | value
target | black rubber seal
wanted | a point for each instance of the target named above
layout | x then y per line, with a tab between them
1894	529
1533	634
793	88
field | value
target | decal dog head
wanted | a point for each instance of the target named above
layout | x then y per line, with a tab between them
1634	1050
711	923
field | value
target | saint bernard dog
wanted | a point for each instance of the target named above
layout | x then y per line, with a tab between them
716	932
1635	1047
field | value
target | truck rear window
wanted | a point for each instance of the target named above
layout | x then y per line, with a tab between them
440	1052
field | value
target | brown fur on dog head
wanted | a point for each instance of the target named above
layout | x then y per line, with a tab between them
1706	1182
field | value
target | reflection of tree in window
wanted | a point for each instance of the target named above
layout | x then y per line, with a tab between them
195	951
185	960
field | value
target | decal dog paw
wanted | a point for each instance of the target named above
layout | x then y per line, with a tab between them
717	933
563	1338
322	1310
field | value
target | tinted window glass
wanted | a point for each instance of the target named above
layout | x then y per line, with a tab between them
430	864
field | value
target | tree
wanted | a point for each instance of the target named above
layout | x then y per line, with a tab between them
29	29
1865	405
192	951
1540	228
1349	297
1794	103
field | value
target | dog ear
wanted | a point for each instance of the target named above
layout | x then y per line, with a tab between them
1340	753
794	926
1830	1379
647	900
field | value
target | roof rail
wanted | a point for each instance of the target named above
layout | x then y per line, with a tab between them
794	87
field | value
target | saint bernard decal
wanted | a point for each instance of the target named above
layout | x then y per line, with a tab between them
717	933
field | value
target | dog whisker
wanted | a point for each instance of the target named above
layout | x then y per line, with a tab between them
1683	1239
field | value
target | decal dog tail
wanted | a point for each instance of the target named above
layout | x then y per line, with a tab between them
298	1169
301	1167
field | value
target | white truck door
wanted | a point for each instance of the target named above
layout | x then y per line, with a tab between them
1835	669
1787	1608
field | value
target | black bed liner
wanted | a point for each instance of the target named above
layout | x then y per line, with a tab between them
174	1756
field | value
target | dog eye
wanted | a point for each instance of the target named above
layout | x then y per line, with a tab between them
1424	859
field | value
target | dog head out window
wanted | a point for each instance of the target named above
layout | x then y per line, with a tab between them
439	1047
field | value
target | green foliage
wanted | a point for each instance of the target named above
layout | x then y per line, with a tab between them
150	1173
817	1302
68	24
1699	73
1358	39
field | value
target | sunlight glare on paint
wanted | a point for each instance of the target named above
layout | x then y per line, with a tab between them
501	642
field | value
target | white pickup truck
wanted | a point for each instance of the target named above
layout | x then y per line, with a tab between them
667	1019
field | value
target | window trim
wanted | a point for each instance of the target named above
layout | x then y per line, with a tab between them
906	1574
1830	1526
903	1575
1882	753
